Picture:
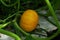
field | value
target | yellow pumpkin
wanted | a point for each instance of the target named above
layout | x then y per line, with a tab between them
29	20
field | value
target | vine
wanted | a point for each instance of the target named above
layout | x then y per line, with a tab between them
16	25
7	4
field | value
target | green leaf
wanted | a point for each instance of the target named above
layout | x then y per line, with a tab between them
56	4
30	38
35	38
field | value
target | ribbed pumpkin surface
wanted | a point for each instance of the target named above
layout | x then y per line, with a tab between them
29	20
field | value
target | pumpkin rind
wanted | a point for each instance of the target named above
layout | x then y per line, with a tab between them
29	20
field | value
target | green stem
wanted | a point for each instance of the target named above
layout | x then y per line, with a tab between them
17	31
10	34
11	16
55	18
4	25
18	4
53	13
7	4
18	28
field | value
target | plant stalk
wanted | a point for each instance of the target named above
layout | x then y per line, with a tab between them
55	18
10	34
